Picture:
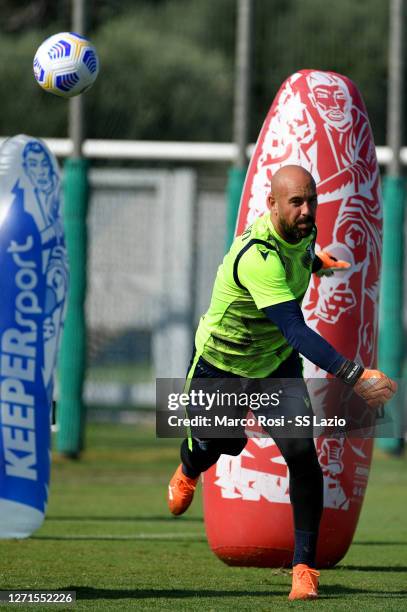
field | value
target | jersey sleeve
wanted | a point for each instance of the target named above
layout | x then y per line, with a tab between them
263	275
289	319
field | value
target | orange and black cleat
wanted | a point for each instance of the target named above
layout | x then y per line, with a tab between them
180	491
305	582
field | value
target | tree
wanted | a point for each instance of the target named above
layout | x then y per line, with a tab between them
347	37
167	66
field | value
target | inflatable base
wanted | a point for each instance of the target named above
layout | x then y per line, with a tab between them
18	520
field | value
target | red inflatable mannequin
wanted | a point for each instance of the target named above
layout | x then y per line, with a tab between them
317	120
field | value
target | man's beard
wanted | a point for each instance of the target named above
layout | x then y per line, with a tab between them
293	232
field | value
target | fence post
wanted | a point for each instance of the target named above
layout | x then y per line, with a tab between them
70	410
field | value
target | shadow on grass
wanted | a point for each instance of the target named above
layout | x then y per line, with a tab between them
328	592
130	519
339	590
93	593
145	537
372	543
374	568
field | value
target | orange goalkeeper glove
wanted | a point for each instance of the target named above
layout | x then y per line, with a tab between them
330	264
375	388
371	385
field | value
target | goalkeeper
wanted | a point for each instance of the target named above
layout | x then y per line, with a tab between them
254	328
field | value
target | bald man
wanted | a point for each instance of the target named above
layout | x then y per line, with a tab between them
254	329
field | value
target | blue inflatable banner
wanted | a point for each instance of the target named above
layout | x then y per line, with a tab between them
33	288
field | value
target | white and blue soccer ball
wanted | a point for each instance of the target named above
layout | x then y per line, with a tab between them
66	64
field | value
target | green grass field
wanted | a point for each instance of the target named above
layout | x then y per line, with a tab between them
108	536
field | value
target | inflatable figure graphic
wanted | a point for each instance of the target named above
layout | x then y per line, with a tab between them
318	124
237	479
37	166
318	120
34	285
330	459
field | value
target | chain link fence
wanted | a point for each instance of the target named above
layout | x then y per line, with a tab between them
156	238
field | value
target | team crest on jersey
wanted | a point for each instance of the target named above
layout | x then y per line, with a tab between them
311	250
309	255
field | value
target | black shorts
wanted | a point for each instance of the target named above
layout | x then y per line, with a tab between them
237	404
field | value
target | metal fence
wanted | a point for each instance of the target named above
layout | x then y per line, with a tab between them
156	238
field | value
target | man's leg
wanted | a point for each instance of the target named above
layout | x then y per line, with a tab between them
205	453
306	479
198	455
306	495
194	461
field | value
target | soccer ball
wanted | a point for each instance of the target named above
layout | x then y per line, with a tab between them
66	64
